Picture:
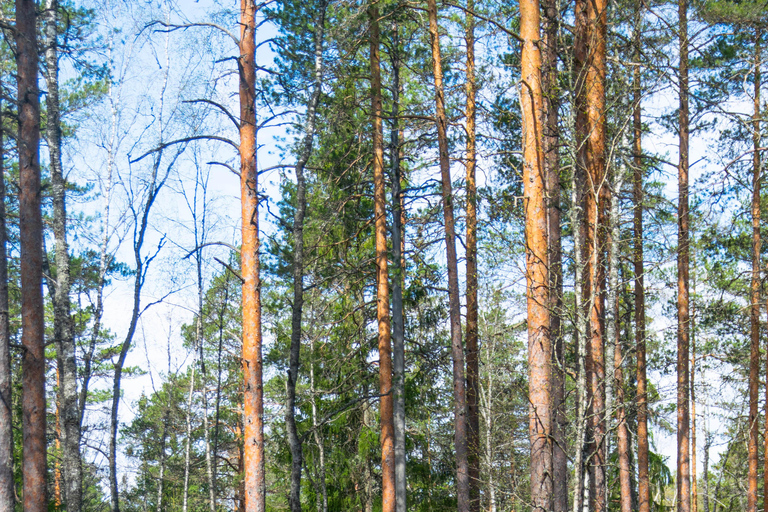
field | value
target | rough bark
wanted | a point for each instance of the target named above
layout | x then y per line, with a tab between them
537	261
473	365
6	412
590	55
683	320
454	309
551	141
754	314
253	413
386	403
31	242
294	440
398	261
643	482
62	320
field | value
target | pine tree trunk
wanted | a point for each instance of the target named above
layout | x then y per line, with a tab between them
683	320
537	260
590	54
643	482
6	411
31	242
382	279
473	366
754	316
253	419
551	141
454	309
63	335
398	322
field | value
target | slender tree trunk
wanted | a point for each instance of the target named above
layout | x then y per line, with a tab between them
6	410
188	440
253	419
473	366
754	316
705	462
31	241
551	141
643	482
63	335
613	332
694	484
590	54
398	322
294	441
382	280
579	332
537	261
103	256
457	349
683	320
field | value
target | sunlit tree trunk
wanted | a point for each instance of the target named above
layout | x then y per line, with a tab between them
537	276
382	279
683	320
253	415
31	242
754	315
643	483
457	349
590	55
473	366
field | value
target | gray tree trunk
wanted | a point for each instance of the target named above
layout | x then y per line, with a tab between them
63	335
398	322
188	441
294	440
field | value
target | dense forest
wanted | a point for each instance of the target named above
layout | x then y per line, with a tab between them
383	256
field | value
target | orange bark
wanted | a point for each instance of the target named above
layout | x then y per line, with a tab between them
537	276
754	316
454	307
386	404
253	414
683	261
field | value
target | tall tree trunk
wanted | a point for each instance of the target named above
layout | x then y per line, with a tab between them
382	279
643	482
551	141
31	241
590	54
398	322
253	415
754	316
294	441
454	308
579	331
694	484
537	261
683	320
63	335
473	366
6	410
